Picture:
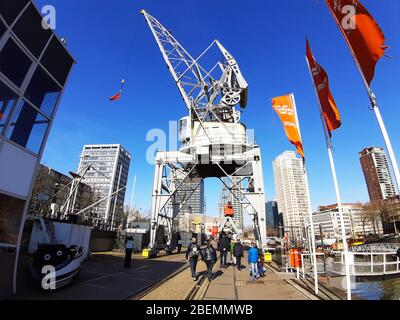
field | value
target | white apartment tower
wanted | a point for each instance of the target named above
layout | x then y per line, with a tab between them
291	193
107	174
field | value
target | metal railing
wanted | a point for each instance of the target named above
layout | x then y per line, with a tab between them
376	247
307	263
368	263
361	263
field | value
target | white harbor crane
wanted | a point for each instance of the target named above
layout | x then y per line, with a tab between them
213	140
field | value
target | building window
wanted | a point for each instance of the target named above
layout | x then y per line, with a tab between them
57	61
28	127
43	92
7	100
11	9
11	210
14	64
29	30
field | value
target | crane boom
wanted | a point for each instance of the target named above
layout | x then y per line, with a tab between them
210	95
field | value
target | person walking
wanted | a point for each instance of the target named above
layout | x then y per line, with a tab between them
232	251
238	254
253	261
193	253
210	257
223	246
179	242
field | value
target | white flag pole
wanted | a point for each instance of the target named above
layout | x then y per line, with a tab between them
335	182
133	190
313	249
374	104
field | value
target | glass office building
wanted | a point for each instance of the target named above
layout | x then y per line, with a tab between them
34	68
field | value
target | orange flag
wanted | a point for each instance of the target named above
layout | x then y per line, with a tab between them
363	35
321	82
283	106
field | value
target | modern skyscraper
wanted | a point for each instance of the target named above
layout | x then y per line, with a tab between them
34	70
233	196
291	192
107	174
190	196
377	174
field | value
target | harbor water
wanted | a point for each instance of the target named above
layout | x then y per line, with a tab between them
378	290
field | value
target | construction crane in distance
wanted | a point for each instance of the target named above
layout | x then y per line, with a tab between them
213	140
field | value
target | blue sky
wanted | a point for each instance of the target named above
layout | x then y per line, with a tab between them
268	40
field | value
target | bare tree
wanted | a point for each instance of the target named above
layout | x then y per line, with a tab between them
372	214
391	211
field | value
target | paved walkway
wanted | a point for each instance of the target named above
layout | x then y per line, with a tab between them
230	284
178	287
104	277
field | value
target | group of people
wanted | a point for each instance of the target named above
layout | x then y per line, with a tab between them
225	245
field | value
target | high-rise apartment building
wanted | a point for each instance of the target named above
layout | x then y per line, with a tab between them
375	166
291	192
108	172
34	70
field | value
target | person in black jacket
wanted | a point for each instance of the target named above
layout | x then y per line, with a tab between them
209	257
223	247
238	252
193	253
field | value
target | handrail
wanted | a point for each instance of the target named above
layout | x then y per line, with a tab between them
373	263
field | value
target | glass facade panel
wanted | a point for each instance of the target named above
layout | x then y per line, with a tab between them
11	210
7	100
43	92
14	64
2	29
28	127
29	30
57	61
10	9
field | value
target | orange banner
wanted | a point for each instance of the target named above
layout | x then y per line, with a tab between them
321	82
361	32
283	106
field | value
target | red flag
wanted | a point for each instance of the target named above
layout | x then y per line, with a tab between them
362	33
321	82
116	96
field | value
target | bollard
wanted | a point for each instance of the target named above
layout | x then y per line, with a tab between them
128	252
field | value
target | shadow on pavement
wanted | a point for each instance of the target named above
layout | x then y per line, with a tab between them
102	277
